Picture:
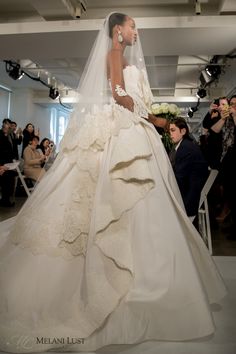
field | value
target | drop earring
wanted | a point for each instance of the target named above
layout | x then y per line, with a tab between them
120	37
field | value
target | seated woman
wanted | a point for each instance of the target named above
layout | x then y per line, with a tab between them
33	160
189	165
45	150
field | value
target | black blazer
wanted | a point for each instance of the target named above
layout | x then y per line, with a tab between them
6	148
191	172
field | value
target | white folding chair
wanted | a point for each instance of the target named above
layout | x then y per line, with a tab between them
22	178
203	211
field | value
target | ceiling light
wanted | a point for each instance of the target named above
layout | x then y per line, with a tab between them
205	79
191	111
53	93
14	70
201	93
198	7
213	70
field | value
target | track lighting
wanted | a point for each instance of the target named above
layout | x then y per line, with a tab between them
14	70
197	7
213	70
201	93
191	111
53	93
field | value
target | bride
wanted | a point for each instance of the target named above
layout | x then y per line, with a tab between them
103	252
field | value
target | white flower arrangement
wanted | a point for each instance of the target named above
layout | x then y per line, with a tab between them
165	110
169	112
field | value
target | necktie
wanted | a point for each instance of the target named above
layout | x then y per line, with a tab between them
172	155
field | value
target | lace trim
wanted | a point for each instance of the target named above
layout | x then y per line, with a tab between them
120	91
68	236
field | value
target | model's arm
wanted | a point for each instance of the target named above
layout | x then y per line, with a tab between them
115	72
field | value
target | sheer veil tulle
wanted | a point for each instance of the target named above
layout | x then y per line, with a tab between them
104	249
93	90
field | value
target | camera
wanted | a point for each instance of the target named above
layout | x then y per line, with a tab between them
51	145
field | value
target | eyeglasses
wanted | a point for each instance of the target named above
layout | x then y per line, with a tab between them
232	104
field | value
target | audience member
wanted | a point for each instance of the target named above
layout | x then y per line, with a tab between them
17	137
52	155
28	134
33	160
3	169
189	165
7	177
44	146
228	166
214	123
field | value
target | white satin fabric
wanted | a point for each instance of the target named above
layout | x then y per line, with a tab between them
103	250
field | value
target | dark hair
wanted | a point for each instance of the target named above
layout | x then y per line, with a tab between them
13	122
234	96
181	124
42	146
222	98
26	127
34	137
6	120
116	19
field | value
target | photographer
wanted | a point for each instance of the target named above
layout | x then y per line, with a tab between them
214	122
17	137
228	168
7	177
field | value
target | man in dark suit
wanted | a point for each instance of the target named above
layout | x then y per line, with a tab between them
17	137
189	165
7	179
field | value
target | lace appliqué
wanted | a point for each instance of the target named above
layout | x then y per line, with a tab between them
120	91
66	228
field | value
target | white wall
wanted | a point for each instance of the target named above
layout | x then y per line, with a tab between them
24	111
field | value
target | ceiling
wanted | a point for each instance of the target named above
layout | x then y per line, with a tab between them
177	43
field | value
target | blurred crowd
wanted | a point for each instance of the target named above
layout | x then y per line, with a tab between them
22	145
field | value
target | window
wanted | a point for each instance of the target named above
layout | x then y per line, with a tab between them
58	124
5	101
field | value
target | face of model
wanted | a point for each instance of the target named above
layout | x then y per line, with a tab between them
128	31
176	134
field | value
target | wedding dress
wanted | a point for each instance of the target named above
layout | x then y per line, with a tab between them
103	252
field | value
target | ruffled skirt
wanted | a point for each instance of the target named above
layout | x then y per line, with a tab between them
103	252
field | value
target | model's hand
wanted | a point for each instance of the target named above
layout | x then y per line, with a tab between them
157	121
126	102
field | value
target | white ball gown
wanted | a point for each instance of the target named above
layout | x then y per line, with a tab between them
103	252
